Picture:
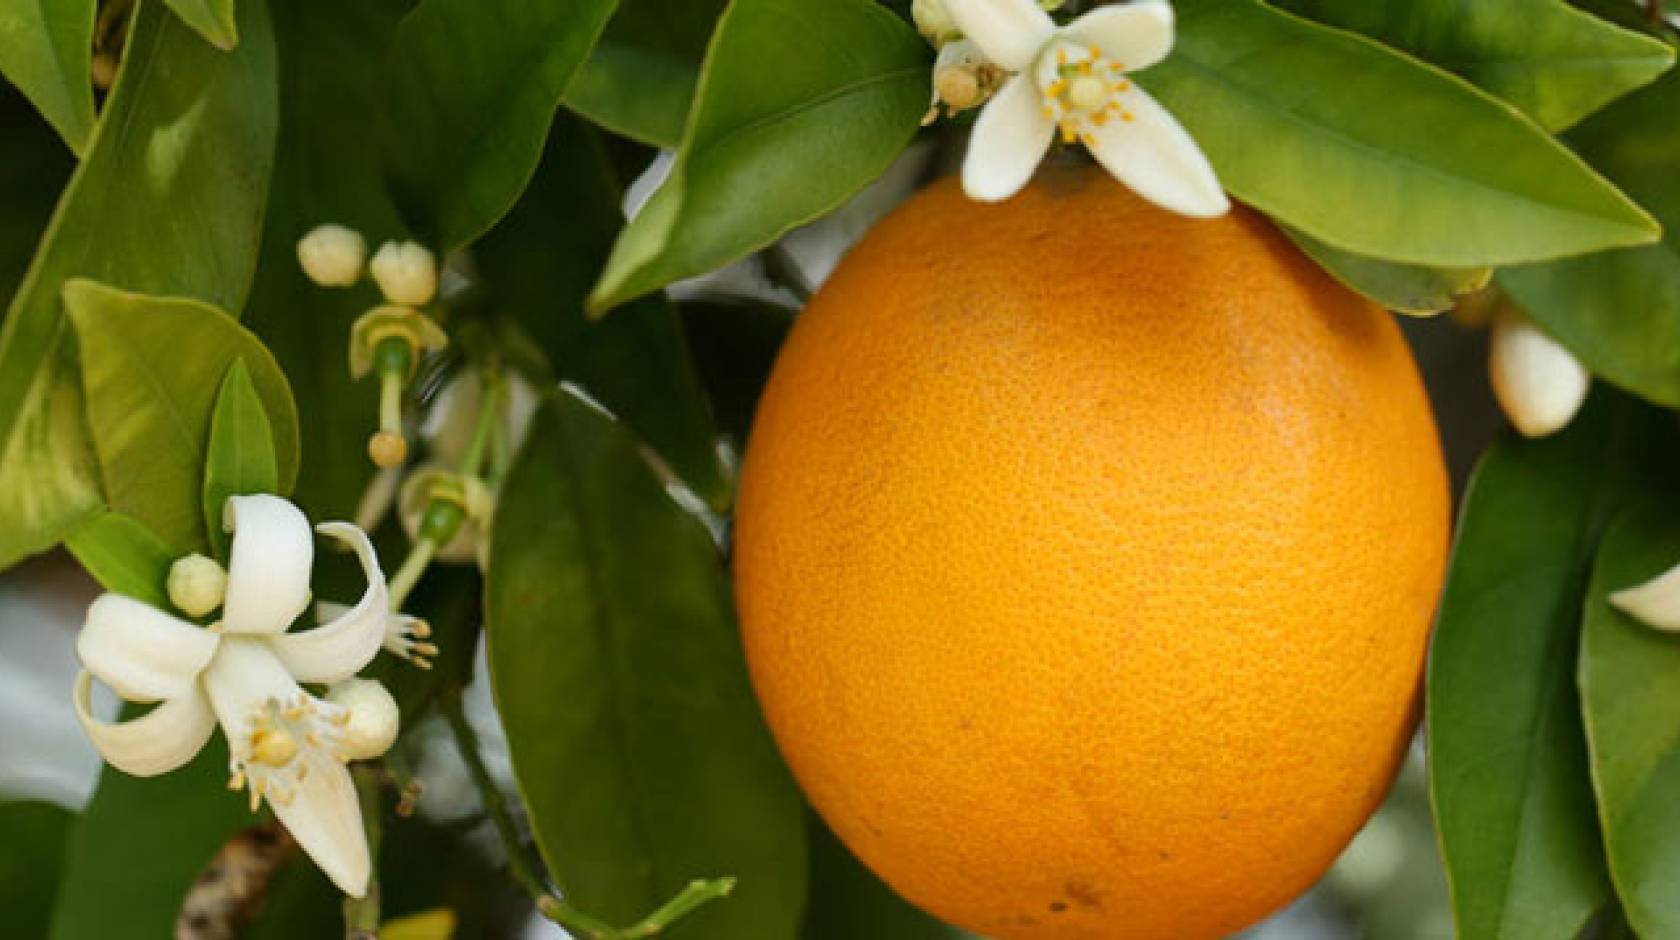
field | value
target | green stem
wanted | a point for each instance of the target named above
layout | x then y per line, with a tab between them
524	870
361	915
419	556
489	416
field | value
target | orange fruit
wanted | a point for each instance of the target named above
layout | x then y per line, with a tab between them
1085	556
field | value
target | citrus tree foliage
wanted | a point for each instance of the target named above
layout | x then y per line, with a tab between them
161	349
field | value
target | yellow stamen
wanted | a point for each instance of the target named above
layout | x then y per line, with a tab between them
237	781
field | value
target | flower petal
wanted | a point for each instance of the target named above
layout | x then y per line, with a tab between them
1132	35
326	820
1009	32
1150	152
1538	382
142	653
339	649
155	743
268	565
1010	137
1656	603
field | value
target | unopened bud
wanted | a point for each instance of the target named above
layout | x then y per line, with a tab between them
957	86
103	67
1656	603
934	22
387	449
196	585
374	719
1539	383
405	272
332	255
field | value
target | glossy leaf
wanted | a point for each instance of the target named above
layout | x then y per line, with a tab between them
1619	311
471	88
125	557
1630	695
1403	288
615	662
537	267
31	175
640	79
1507	762
1375	153
1556	63
241	455
32	839
761	155
46	50
151	369
213	19
197	126
330	59
140	845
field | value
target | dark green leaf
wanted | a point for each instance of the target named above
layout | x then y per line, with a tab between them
472	86
1403	288
141	843
537	268
241	455
151	369
1630	695
640	79
46	50
330	64
32	839
169	201
34	170
800	104
615	661
125	557
1508	766
1375	153
1555	62
849	903
1619	311
734	346
213	19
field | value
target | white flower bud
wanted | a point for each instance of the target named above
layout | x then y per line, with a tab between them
1656	603
197	585
405	272
374	719
934	22
332	255
1539	383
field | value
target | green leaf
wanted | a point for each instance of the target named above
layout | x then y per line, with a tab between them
213	19
169	201
31	176
1619	311
1375	153
472	86
125	557
241	455
734	346
1558	64
1630	695
140	845
848	903
1508	766
32	838
46	50
537	267
151	369
1403	288
616	665
640	79
800	104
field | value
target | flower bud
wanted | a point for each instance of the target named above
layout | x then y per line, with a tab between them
405	272
332	255
374	719
196	585
934	22
1539	383
1655	603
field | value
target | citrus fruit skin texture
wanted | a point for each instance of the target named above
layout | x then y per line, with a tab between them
1086	556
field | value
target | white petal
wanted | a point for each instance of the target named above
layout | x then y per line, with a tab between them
156	742
268	566
1157	158
142	653
1010	137
1131	35
1009	32
326	820
1538	382
1655	603
339	649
